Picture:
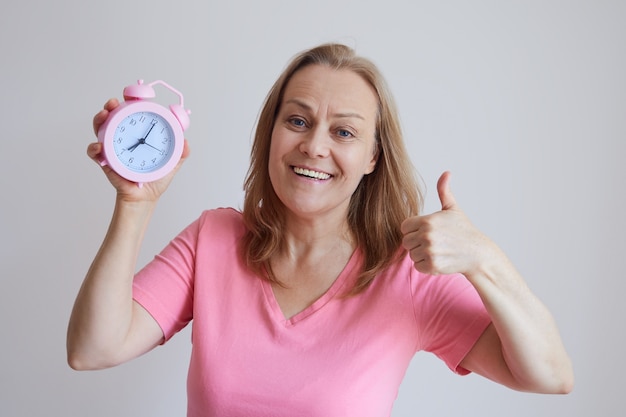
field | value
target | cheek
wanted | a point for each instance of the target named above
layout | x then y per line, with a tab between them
271	161
275	157
372	158
277	143
276	151
371	164
365	162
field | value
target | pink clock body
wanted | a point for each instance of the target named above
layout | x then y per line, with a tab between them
142	140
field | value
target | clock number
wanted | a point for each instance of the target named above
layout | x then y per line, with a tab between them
122	129
142	119
132	122
154	121
131	160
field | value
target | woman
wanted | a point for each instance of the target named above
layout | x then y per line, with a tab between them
313	300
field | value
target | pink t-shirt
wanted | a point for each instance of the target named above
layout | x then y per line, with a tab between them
342	356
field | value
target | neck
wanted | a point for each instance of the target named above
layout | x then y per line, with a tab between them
311	236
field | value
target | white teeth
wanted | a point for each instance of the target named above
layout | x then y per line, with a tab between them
312	174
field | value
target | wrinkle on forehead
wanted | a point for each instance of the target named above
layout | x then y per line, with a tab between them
337	93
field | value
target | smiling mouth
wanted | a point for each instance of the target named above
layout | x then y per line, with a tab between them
303	172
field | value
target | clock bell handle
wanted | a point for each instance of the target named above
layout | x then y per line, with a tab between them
181	114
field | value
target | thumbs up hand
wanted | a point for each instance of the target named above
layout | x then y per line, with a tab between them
444	242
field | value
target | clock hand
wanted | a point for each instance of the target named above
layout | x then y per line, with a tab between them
132	148
142	140
155	148
145	137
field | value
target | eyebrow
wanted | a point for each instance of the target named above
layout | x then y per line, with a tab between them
305	106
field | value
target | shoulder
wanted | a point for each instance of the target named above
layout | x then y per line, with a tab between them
221	220
222	213
215	229
421	282
426	291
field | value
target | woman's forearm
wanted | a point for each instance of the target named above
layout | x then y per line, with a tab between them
530	341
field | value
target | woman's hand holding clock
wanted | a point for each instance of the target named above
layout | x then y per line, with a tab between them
107	326
128	190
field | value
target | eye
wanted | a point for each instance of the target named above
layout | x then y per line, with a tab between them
344	134
297	122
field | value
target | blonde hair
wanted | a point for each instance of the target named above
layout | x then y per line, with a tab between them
382	200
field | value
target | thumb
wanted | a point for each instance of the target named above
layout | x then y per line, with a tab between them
446	197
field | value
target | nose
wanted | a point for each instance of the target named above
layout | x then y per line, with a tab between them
315	144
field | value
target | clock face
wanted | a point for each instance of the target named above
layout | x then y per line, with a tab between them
143	142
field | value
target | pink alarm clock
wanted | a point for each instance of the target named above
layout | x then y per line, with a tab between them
142	140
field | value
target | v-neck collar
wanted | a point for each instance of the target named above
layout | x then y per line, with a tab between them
345	276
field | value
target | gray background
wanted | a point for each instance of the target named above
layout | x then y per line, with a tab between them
524	101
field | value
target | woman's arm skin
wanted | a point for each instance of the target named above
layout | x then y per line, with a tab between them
521	348
107	327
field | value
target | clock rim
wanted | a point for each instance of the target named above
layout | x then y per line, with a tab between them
107	130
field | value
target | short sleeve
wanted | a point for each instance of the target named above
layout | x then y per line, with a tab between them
450	314
164	287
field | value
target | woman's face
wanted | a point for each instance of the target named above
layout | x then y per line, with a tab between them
323	141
